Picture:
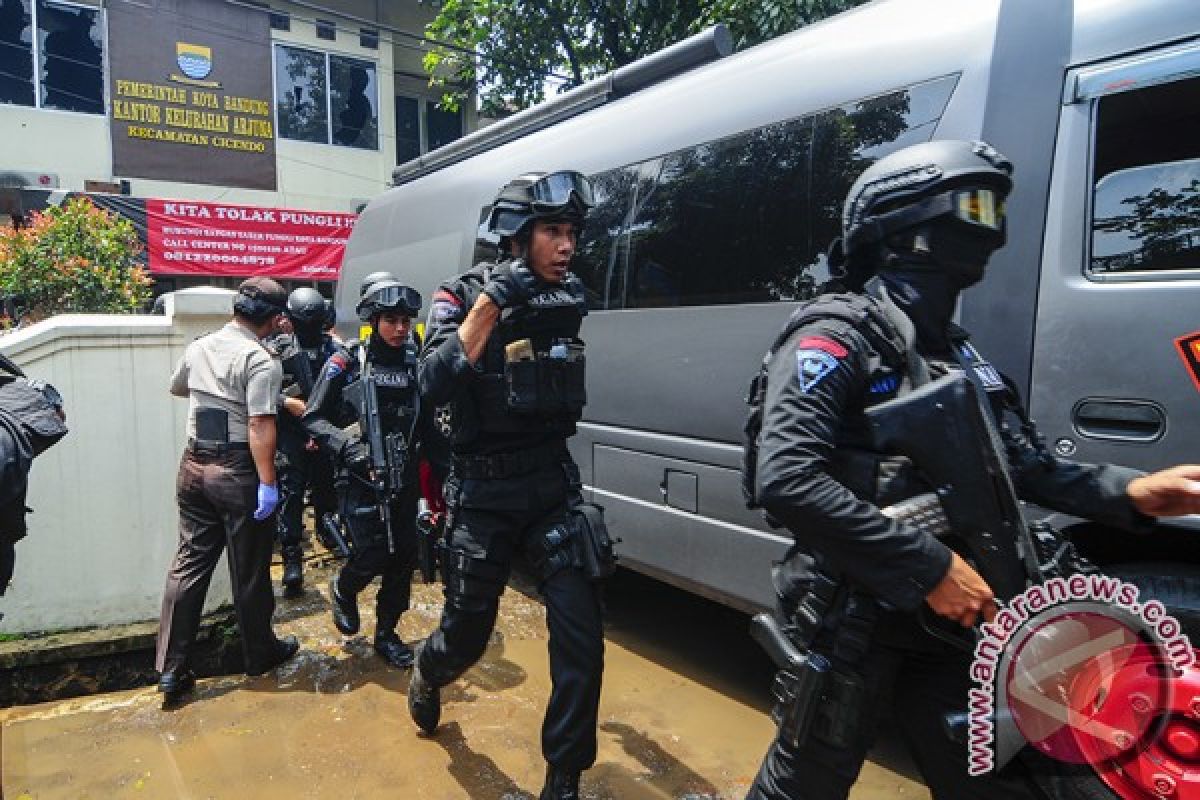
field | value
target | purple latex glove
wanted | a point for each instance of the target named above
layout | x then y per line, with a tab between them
268	498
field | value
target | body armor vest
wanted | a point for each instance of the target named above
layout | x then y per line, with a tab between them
395	387
533	369
895	368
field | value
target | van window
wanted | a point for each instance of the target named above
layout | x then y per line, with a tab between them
748	218
600	260
1146	197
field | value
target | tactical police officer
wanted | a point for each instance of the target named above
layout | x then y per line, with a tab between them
504	354
918	227
31	420
226	487
300	463
373	384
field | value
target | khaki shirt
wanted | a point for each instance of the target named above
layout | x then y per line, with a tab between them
231	370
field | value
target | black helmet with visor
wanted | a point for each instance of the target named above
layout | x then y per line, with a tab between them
564	195
386	296
956	189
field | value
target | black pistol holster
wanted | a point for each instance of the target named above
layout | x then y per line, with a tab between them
595	547
820	696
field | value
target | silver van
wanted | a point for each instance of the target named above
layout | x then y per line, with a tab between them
719	189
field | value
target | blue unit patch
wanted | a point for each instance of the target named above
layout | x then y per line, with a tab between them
812	365
885	385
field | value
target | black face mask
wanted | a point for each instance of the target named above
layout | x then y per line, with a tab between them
927	296
308	334
962	255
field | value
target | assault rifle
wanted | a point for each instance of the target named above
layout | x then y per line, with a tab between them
946	430
389	452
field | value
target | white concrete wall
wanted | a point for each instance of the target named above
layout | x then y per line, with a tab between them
104	525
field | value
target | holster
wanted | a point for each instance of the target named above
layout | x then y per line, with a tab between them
594	546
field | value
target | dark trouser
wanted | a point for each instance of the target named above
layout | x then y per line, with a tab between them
491	521
371	556
917	687
217	495
297	472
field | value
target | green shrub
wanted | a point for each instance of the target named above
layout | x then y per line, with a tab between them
74	258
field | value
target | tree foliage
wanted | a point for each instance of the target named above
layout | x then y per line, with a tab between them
509	49
75	258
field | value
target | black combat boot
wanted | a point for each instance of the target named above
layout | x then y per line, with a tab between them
175	683
393	650
424	699
561	784
293	570
345	610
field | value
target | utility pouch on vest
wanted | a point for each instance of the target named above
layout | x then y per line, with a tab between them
548	383
212	425
591	536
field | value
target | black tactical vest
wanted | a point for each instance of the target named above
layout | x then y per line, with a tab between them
533	369
895	369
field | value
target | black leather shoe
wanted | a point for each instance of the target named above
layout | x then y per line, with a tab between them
393	650
561	784
345	612
424	699
288	647
175	683
293	574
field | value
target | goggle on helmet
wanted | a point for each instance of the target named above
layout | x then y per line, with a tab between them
389	296
556	195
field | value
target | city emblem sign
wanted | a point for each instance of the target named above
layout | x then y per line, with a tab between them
194	60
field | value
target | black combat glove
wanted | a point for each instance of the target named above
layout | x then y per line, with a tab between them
356	456
511	284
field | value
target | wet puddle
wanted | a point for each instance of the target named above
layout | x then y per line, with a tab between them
683	717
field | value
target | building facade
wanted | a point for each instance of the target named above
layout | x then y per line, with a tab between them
289	105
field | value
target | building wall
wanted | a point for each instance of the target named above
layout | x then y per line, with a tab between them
76	147
104	527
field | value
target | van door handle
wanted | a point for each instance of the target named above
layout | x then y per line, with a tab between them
1124	420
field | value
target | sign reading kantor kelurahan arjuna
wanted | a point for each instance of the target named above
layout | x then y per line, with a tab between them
190	92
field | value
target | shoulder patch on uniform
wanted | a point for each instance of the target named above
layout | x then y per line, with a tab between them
445	306
823	343
336	366
814	363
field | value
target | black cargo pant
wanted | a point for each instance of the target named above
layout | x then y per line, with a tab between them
300	469
217	495
360	509
917	686
490	522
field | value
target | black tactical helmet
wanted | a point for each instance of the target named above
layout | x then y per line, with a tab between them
962	184
374	277
564	195
388	296
306	306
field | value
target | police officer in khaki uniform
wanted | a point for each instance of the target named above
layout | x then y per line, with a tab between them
226	486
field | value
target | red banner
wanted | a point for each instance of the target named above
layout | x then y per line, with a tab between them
186	237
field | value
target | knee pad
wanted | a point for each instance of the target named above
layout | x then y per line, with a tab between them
471	582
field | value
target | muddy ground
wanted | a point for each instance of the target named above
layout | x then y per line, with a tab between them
683	717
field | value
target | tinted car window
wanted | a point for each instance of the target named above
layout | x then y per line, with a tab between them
1146	197
748	218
